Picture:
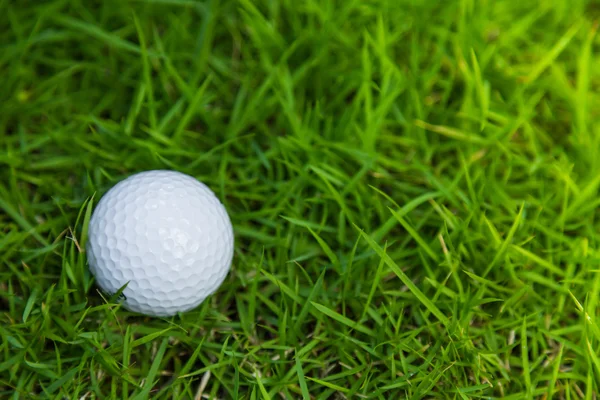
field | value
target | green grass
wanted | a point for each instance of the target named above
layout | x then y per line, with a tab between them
413	186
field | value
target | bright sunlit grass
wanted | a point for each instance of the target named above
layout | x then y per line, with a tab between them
413	186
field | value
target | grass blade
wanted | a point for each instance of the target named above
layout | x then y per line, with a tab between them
301	380
404	278
149	383
412	232
343	320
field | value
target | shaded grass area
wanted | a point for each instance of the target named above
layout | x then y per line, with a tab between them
413	187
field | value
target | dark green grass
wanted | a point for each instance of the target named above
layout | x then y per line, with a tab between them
413	186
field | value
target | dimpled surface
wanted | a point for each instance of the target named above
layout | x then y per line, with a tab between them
166	235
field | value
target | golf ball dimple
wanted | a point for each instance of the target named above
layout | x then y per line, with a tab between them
164	234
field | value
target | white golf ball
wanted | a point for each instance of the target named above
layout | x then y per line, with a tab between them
164	234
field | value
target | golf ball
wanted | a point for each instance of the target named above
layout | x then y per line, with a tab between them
164	234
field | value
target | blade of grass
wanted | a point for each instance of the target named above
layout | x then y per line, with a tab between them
343	320
404	278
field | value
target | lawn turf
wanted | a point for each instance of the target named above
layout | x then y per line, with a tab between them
413	186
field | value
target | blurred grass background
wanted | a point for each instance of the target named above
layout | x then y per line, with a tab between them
413	186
